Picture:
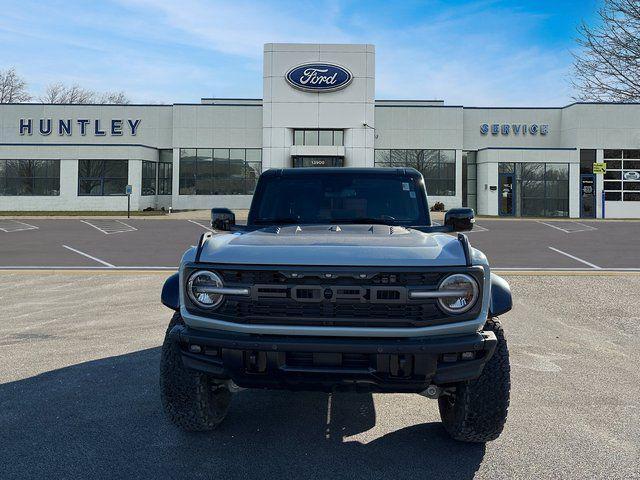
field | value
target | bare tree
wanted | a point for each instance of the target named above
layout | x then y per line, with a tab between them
61	93
13	89
117	98
607	68
75	94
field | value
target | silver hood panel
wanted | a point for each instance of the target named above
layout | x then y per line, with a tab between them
352	245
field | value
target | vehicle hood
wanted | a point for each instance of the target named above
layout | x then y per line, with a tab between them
322	245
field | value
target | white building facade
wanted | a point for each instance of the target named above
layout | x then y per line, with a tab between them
319	109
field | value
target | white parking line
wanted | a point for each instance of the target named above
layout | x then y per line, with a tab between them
576	258
107	264
585	228
206	227
67	267
478	228
109	227
9	226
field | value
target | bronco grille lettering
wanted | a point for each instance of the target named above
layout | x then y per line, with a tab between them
332	293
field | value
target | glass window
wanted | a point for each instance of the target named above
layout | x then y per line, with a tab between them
613	164
311	137
382	158
631	164
325	137
614	187
219	171
345	198
318	137
506	167
612	154
165	178
148	178
541	190
469	179
613	196
102	177
165	172
631	196
398	158
587	159
253	154
187	183
437	166
30	177
205	169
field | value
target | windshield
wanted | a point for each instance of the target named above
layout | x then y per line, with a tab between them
339	198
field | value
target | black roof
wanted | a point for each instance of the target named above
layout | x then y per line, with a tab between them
274	172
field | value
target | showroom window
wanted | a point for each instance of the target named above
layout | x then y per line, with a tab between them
219	171
102	177
30	177
324	138
469	179
437	166
542	189
622	180
165	172
148	178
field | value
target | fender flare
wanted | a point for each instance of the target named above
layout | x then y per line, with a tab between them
501	301
170	296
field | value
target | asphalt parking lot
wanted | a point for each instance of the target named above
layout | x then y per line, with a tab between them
159	243
79	394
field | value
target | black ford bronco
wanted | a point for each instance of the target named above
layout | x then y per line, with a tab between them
339	280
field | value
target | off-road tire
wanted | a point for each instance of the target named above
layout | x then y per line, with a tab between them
477	411
191	399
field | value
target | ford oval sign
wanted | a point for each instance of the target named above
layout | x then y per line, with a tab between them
319	77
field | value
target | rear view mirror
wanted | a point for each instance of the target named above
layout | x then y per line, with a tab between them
222	219
459	219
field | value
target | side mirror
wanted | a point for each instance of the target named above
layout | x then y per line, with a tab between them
222	219
459	219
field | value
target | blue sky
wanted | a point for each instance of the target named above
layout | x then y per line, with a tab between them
474	52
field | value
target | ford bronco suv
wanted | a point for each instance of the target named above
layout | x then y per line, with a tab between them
339	280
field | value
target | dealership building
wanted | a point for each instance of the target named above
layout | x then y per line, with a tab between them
319	109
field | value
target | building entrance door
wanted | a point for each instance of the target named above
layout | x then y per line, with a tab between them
300	161
506	194
587	196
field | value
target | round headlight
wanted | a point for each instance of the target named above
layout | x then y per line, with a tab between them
199	289
464	293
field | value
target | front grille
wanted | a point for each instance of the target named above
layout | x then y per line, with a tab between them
337	297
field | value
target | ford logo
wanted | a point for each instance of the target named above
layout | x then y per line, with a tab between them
632	175
319	77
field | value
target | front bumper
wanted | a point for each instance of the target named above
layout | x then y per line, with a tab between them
334	363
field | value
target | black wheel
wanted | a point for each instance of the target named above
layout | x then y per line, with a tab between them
191	400
477	410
